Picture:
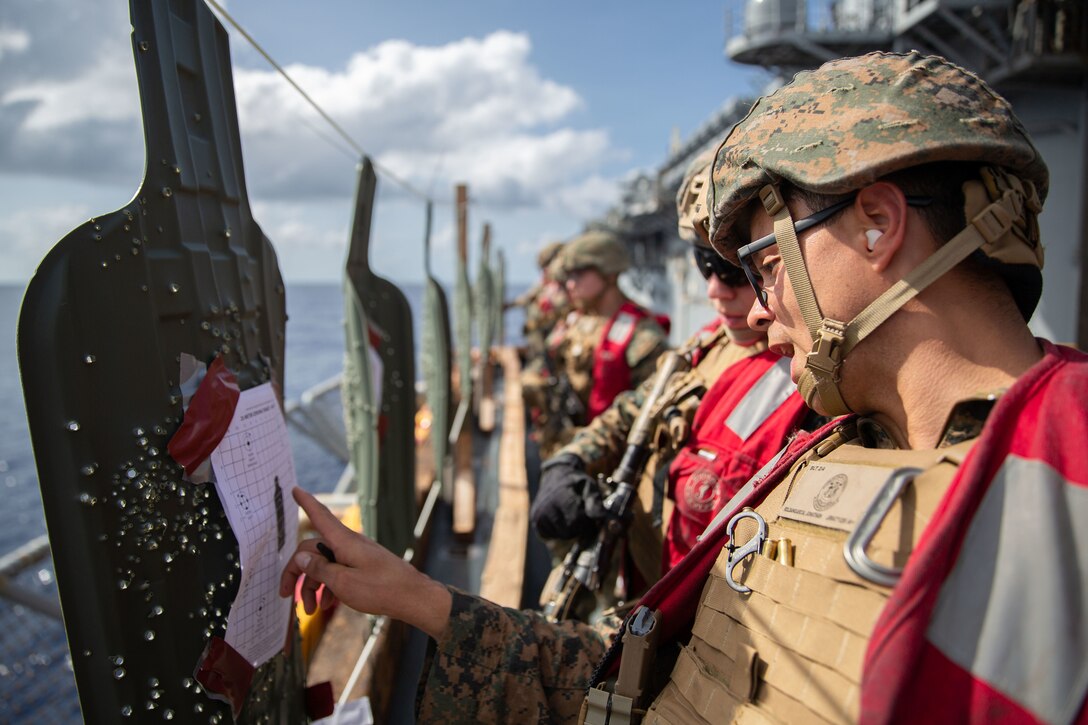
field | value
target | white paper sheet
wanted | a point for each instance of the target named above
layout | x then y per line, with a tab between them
255	475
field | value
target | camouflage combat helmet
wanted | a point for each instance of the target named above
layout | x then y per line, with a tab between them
600	250
547	254
693	219
848	124
555	267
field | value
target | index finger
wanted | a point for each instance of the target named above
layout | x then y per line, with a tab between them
323	520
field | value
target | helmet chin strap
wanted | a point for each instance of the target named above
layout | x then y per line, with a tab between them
832	340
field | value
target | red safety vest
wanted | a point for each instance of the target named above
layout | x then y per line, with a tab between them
989	619
611	375
742	421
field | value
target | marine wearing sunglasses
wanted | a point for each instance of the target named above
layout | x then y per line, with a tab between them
709	262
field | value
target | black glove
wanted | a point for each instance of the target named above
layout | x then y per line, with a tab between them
568	501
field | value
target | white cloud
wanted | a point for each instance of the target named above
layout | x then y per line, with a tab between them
294	231
588	199
105	91
515	168
476	109
13	41
31	231
451	90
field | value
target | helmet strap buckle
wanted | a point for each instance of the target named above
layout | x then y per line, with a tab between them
994	221
818	383
826	356
771	198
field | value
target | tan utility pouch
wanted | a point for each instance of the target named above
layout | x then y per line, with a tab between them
602	707
639	646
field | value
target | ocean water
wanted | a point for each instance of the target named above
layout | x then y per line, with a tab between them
35	678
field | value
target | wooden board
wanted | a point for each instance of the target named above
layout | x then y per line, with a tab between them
504	571
485	416
464	485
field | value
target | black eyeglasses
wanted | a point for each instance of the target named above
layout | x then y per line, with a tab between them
708	262
573	272
745	253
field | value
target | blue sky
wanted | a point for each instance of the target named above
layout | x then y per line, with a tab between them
542	108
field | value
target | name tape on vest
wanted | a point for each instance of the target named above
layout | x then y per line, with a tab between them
834	495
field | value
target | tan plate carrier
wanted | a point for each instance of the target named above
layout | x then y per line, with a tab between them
791	649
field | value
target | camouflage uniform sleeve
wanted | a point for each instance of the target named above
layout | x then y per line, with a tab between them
499	665
601	443
648	342
527	297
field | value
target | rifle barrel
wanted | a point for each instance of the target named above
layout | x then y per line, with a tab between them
640	431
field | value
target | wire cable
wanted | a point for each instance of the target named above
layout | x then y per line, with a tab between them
355	146
337	127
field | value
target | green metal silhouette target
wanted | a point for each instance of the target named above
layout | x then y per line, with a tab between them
146	563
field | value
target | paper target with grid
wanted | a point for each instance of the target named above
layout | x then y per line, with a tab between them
254	475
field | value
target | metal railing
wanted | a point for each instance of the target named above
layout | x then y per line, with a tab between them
311	416
14	563
35	666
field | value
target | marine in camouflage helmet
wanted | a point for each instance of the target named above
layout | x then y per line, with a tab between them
545	303
608	345
693	221
853	122
555	268
598	250
924	645
713	354
547	254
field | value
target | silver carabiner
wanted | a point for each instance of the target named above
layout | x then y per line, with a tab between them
739	553
869	523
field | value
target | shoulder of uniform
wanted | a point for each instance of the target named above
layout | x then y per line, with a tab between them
531	295
692	343
705	338
651	322
647	340
649	332
589	324
651	327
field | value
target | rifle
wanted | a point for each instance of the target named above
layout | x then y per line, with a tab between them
586	563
